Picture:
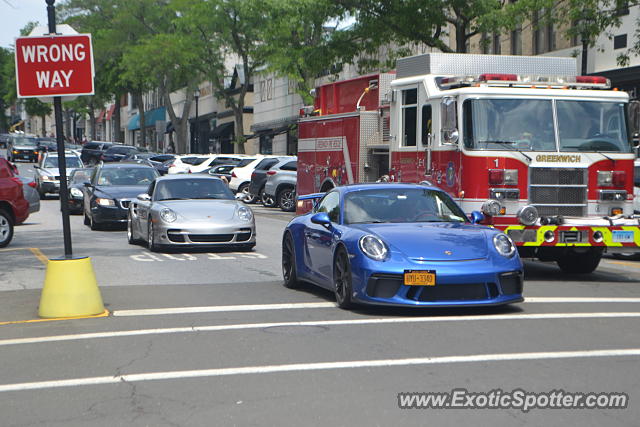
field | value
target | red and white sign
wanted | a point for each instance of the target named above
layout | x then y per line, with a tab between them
60	65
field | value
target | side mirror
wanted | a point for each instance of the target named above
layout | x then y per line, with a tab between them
144	197
321	218
449	121
476	217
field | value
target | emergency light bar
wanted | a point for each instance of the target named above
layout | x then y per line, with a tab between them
523	80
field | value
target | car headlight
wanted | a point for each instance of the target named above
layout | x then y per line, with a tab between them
504	245
105	202
373	247
48	178
75	192
245	213
168	215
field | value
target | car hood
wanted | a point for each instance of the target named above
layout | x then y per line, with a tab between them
433	241
202	210
24	147
121	192
56	171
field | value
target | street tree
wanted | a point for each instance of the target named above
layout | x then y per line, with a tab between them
227	34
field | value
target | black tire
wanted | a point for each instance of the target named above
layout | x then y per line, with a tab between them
42	194
342	278
86	219
267	201
580	263
287	199
627	256
248	198
93	225
289	272
151	240
6	228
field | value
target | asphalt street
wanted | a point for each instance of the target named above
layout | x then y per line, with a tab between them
213	338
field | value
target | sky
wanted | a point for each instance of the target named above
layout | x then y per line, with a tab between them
15	14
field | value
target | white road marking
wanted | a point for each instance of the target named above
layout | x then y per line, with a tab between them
347	322
148	257
577	299
301	367
291	306
221	308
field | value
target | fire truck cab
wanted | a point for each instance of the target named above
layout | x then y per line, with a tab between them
544	154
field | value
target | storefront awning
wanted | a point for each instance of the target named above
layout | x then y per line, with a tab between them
110	112
150	118
222	130
100	117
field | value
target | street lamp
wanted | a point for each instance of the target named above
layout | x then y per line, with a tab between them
196	95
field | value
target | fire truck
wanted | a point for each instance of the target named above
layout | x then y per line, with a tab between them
546	155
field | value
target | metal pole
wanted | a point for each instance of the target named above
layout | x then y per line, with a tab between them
62	163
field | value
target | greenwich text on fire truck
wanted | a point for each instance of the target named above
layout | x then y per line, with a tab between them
546	155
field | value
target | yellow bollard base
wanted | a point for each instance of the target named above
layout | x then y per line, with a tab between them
70	289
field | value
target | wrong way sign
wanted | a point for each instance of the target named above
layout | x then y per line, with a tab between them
60	65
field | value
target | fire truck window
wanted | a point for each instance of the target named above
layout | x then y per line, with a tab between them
331	205
592	126
426	123
409	117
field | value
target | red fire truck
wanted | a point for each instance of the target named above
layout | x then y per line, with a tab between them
545	155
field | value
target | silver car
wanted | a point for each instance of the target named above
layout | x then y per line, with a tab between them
190	210
47	172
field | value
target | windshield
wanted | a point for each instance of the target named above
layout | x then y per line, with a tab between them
126	176
527	125
24	141
80	176
52	162
196	188
400	205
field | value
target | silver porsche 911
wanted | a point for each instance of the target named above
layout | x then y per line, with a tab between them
190	210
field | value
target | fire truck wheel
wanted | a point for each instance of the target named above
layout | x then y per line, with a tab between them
287	199
580	263
267	201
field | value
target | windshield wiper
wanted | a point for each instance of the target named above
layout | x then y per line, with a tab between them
512	148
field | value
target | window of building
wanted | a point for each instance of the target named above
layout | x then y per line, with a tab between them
620	42
409	117
266	144
622	7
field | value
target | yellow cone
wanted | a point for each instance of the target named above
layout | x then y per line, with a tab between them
70	289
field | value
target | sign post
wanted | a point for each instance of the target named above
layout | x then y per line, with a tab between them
54	66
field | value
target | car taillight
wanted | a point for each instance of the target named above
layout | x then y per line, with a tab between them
32	184
253	175
611	178
233	175
503	177
271	172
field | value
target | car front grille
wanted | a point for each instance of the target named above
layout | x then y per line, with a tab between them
458	292
558	191
210	238
124	204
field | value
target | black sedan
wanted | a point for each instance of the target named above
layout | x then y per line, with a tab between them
77	180
112	187
117	153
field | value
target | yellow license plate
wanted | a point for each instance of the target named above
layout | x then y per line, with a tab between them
420	277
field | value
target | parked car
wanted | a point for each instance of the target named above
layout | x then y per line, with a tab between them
281	184
259	178
77	179
4	140
181	164
221	171
117	153
22	147
91	151
241	177
47	144
107	196
14	208
163	168
400	245
47	174
30	192
190	210
220	159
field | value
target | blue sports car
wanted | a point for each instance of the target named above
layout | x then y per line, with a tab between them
400	244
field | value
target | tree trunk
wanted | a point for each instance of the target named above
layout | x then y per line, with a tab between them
44	124
116	120
461	37
585	51
140	102
239	128
67	123
92	122
180	124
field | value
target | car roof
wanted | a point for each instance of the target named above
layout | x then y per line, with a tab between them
183	176
117	165
378	185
